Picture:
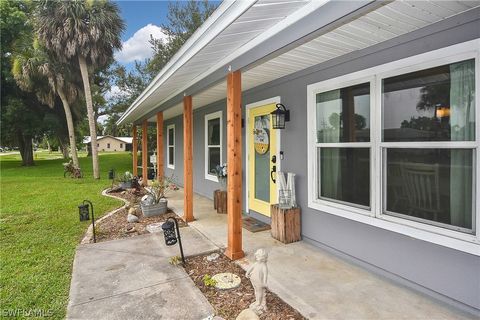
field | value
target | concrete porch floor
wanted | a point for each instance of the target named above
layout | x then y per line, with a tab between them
317	283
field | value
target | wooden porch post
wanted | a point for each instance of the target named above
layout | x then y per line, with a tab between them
187	159
144	153
159	145
234	169
134	151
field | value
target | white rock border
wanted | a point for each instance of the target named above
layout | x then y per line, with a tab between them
89	233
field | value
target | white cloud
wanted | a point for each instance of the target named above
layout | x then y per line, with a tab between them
138	47
113	92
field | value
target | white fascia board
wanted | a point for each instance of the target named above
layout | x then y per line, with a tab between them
225	15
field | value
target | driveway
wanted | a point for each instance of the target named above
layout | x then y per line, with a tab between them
133	279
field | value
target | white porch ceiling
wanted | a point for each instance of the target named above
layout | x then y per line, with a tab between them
387	22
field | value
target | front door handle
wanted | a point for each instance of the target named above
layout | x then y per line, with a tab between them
274	169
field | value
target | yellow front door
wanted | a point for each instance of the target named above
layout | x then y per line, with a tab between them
262	162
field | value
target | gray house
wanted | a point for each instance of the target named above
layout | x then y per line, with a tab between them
383	132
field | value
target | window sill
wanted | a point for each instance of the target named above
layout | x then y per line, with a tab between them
171	167
211	178
447	238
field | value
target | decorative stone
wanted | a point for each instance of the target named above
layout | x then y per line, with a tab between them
212	257
247	314
226	281
258	273
131	218
133	211
154	227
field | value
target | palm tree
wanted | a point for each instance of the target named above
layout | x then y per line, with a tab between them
35	71
85	31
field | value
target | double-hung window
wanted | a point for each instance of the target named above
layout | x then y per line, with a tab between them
213	144
171	146
396	146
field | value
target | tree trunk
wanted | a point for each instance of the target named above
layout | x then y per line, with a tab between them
26	149
63	148
71	129
91	116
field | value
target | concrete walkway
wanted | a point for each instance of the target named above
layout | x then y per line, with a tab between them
132	279
317	283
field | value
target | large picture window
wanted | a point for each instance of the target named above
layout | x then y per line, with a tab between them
171	146
395	146
213	144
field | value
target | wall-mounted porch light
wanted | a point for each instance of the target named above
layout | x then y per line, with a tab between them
279	116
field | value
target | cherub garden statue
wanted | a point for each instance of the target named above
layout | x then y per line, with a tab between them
257	273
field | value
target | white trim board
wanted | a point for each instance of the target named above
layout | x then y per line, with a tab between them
461	241
171	166
211	116
249	106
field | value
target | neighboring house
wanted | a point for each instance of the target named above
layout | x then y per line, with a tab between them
111	143
384	130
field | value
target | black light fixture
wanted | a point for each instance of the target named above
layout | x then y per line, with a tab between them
84	214
279	116
168	228
111	175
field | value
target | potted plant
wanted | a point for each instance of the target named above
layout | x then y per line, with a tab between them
221	172
155	203
126	180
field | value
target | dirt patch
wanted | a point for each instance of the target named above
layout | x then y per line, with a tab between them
228	304
116	226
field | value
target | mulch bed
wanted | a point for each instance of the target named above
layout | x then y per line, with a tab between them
229	303
117	227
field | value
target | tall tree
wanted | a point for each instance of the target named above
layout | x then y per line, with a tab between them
36	71
85	31
184	18
21	112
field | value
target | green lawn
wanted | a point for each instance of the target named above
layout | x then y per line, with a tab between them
40	228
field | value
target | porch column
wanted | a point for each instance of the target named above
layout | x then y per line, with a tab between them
134	151
187	159
234	166
144	153
159	145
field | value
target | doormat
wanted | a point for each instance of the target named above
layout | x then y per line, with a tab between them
254	225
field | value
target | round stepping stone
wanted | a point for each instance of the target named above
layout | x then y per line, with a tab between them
226	281
154	227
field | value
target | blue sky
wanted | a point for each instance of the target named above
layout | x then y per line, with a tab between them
142	19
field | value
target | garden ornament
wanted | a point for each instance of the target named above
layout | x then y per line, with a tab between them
258	273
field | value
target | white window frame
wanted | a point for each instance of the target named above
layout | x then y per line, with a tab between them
170	166
208	117
419	230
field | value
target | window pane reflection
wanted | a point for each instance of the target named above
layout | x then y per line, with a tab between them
343	115
345	174
431	184
436	104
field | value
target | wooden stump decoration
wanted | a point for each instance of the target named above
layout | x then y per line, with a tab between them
220	201
285	224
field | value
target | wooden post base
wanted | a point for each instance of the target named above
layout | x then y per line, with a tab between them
285	224
220	201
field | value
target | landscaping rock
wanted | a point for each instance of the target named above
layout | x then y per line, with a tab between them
247	314
131	218
212	257
154	227
133	212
